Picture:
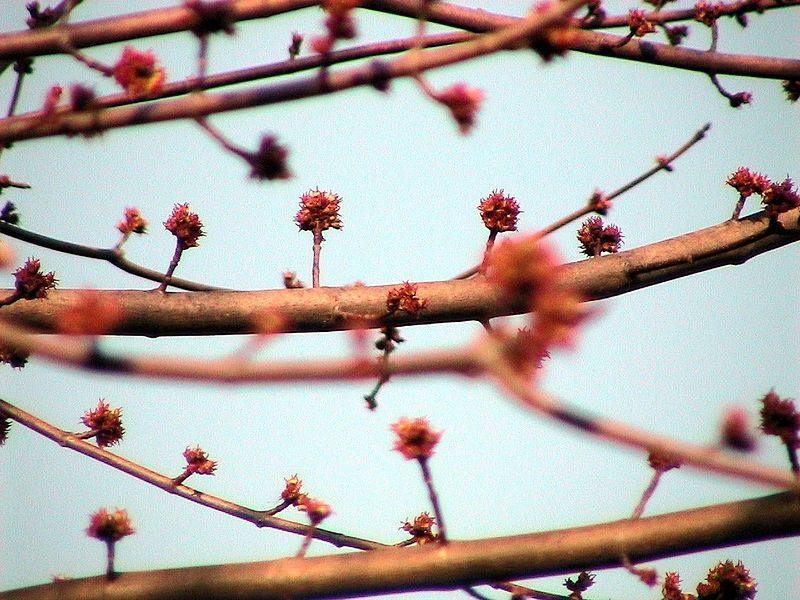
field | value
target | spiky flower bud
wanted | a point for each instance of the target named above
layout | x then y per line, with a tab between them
415	438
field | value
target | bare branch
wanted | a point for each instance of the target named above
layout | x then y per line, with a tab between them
199	105
330	309
459	564
708	459
115	256
260	518
591	42
39	42
688	14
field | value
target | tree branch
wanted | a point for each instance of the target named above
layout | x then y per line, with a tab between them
329	309
591	42
459	564
199	105
260	518
687	14
50	40
115	256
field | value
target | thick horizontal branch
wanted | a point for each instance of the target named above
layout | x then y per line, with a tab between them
458	564
261	518
42	41
328	309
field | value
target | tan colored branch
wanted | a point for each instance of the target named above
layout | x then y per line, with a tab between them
199	105
591	42
433	567
329	309
43	41
507	33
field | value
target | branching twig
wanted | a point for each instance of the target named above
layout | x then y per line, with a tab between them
133	26
327	309
599	202
427	567
686	14
591	42
201	105
259	518
115	256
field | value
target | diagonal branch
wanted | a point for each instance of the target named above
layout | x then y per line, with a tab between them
330	309
618	432
461	563
260	518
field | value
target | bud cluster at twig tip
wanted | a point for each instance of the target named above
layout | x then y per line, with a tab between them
662	462
416	439
197	461
707	13
132	222
463	102
105	423
499	212
81	97
736	430
109	526
596	238
727	581
780	417
185	225
139	73
582	583
776	198
318	211
213	16
638	24
421	529
13	357
339	25
9	212
317	510
269	161
5	426
792	89
292	490
526	269
30	283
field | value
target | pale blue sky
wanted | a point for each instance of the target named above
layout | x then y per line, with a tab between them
669	358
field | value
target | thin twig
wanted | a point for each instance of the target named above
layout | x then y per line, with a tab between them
115	256
316	249
434	498
662	164
344	308
647	494
660	16
173	264
428	567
